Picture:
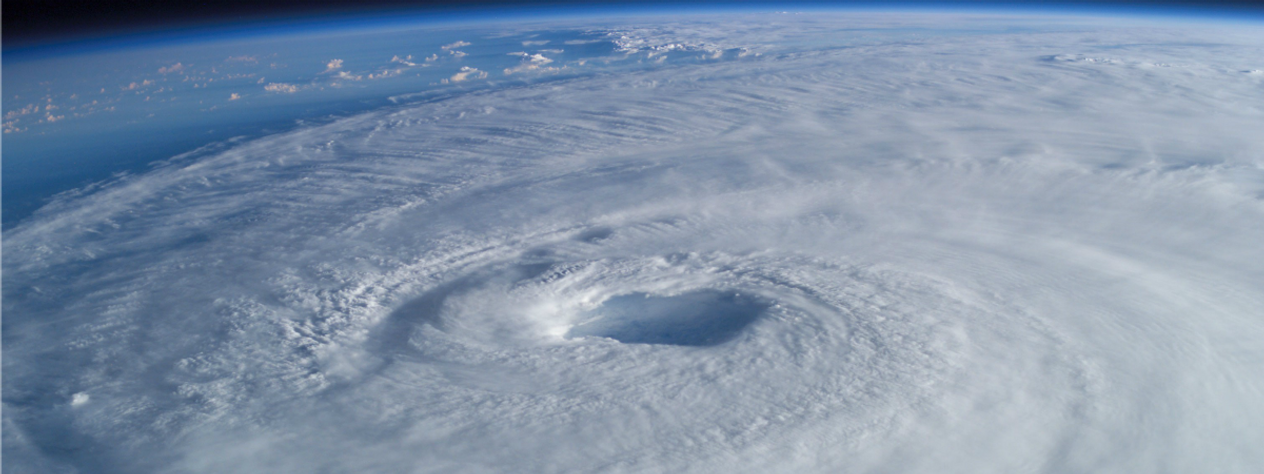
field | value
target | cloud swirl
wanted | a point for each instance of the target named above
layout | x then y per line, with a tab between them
957	253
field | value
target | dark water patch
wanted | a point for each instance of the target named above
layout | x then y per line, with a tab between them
699	318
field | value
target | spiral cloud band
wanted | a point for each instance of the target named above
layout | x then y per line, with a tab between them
1009	251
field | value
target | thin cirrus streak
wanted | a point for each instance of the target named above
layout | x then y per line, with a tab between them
964	253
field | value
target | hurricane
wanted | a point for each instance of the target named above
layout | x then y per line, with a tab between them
926	248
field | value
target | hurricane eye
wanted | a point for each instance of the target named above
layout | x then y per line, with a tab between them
699	318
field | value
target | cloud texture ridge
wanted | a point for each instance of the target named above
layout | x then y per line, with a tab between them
1002	252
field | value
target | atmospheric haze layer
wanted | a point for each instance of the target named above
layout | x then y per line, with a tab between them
968	244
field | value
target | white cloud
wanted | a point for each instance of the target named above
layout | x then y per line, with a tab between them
28	109
531	62
458	44
386	73
466	73
333	65
281	87
407	61
177	67
532	58
234	96
138	85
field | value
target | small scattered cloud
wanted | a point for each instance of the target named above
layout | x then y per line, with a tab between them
333	65
242	59
29	109
466	73
535	43
459	54
582	41
455	45
234	96
407	60
432	57
531	62
137	85
666	48
281	87
177	67
533	58
12	127
387	73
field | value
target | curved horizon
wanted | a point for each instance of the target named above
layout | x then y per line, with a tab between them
67	29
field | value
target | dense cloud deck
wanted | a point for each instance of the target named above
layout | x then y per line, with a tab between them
797	244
